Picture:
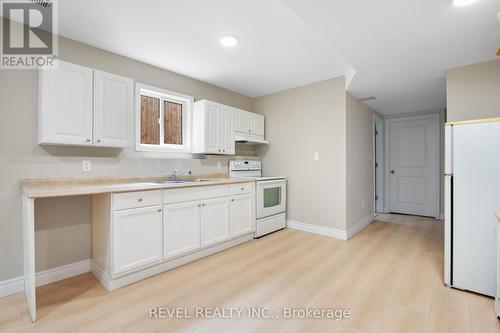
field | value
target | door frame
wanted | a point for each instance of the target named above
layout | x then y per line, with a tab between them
387	123
378	155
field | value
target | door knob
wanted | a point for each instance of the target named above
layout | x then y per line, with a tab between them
392	171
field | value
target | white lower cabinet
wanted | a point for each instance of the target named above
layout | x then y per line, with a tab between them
137	238
181	231
242	214
139	234
214	221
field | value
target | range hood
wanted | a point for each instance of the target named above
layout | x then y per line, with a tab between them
249	139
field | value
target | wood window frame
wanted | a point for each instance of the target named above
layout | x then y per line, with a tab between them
170	96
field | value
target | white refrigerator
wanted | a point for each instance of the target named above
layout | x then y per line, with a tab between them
472	196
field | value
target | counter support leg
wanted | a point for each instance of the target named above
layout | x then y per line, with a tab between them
29	254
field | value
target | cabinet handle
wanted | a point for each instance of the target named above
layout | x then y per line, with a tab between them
88	140
98	140
159	210
203	205
249	131
140	199
242	188
232	199
223	150
199	205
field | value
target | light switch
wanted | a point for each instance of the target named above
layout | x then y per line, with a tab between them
316	156
86	166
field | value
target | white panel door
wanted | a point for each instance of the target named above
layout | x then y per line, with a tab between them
241	215
213	128
214	221
227	130
181	231
137	238
65	105
476	193
414	166
113	109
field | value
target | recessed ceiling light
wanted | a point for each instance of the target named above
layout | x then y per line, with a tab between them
462	3
229	41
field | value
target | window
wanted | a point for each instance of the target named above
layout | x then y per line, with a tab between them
163	120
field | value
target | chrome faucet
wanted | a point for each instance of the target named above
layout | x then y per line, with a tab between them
173	176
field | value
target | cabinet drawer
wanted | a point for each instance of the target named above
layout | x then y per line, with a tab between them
241	188
194	193
136	199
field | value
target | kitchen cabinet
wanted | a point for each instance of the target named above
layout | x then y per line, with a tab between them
181	232
136	234
65	105
214	221
137	238
242	214
86	107
113	109
213	129
249	123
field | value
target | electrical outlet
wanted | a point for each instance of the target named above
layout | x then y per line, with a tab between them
363	204
86	166
316	156
219	165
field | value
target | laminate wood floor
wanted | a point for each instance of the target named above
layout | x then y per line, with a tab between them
389	276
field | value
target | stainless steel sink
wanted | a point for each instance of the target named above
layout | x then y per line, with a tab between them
181	181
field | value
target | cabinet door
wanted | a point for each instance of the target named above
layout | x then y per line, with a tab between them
65	105
241	215
113	109
227	130
213	128
257	126
181	232
242	121
137	238
214	221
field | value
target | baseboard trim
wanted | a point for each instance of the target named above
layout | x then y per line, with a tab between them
359	226
316	229
11	286
16	285
121	281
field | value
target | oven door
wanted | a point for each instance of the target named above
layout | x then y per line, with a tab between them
271	197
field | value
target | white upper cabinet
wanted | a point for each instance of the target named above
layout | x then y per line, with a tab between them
248	123
213	129
113	109
257	125
227	130
65	105
242	121
82	106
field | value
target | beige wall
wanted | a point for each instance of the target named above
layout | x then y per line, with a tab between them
299	122
360	172
63	229
473	91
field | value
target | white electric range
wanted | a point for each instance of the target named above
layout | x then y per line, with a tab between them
270	195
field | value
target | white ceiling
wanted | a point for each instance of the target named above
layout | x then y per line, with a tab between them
398	50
